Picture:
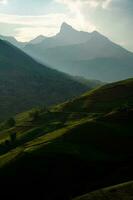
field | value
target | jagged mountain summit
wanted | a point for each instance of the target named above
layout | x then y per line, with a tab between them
91	55
66	36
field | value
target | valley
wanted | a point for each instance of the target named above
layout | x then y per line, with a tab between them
66	100
80	142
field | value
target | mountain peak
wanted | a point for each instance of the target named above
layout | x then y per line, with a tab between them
66	27
96	35
95	32
41	36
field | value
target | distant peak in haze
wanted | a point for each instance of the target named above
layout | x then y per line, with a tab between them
40	36
66	27
38	39
95	33
98	36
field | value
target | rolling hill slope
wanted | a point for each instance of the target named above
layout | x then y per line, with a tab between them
102	99
71	149
123	191
24	83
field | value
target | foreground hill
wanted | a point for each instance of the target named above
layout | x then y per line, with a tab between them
102	99
24	83
65	152
91	55
122	192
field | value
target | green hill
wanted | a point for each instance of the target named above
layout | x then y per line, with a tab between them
67	150
122	192
102	99
24	83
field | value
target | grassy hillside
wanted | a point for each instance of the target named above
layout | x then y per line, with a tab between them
102	99
122	192
24	83
71	151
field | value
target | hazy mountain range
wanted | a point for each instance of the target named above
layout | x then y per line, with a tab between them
13	41
91	55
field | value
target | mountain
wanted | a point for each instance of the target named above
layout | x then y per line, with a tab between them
70	149
66	36
21	45
24	83
37	40
13	41
91	55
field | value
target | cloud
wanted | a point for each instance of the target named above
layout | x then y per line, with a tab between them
89	3
42	20
77	12
3	2
28	33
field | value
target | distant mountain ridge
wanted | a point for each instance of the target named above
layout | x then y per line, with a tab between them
37	40
61	39
19	44
79	53
91	55
13	41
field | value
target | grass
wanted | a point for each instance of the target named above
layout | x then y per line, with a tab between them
10	156
81	148
122	191
75	125
102	99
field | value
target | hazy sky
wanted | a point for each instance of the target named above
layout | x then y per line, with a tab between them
25	19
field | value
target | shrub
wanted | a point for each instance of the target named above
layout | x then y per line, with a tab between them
34	115
13	137
10	122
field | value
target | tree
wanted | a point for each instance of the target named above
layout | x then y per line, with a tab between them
34	115
7	143
10	122
13	137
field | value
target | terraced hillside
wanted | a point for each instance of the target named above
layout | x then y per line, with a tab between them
64	152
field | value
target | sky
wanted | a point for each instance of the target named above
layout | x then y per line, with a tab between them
26	19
